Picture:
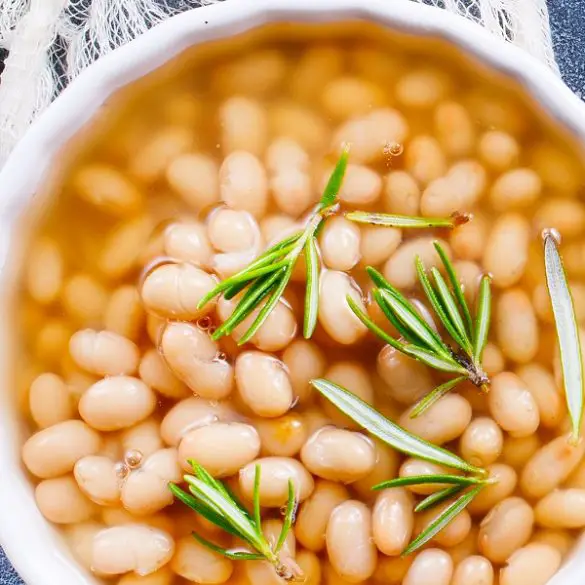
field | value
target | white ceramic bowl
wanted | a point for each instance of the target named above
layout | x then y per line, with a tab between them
34	547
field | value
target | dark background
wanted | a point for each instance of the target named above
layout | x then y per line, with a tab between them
568	29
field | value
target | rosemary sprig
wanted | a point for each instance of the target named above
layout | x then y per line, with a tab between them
422	342
268	276
212	500
407	221
567	329
390	433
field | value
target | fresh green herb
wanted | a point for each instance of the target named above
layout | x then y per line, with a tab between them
405	442
420	341
268	276
567	329
406	221
212	500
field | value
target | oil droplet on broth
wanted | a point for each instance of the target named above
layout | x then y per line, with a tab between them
133	458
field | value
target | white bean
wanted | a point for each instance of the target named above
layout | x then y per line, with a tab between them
305	361
244	125
155	372
562	509
299	123
515	189
283	436
359	96
533	564
124	313
97	479
55	450
133	547
430	567
498	150
263	383
378	243
482	442
243	184
174	291
474	570
361	185
454	128
163	576
424	159
510	232
84	298
274	478
335	315
422	88
292	190
197	563
453	533
62	502
505	480
497	540
350	546
195	177
314	513
415	467
387	463
144	437
567	216
188	242
49	400
194	358
104	353
393	520
401	194
116	403
284	152
338	455
512	405
222	448
44	271
340	244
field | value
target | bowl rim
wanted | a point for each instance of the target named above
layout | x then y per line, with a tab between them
24	534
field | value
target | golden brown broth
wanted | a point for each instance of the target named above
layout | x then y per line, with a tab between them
187	95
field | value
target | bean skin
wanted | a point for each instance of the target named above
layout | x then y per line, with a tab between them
562	509
393	520
430	566
533	564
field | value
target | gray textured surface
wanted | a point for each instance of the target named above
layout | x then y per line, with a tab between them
568	25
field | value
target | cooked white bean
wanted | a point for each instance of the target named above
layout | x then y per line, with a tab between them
510	232
533	564
190	414
339	455
155	372
244	125
400	269
283	436
401	194
505	480
133	547
424	159
305	361
541	384
314	513
387	463
468	241
195	177
222	448
359	96
430	567
355	377
52	341
84	299
505	529
361	185
474	570
116	402
516	326
299	123
188	241
124	313
407	380
104	353
454	128
285	153
275	474
49	400
292	190
263	383
196	563
97	479
340	244
498	150
512	405
79	538
518	450
335	315
107	189
146	489
61	501
414	467
174	291
231	230
273	227
44	271
515	189
482	442
566	215
310	565
451	535
393	520
243	184
163	576
444	421
194	358
54	451
153	156
378	243
561	540
422	88
369	135
350	546
562	509
144	437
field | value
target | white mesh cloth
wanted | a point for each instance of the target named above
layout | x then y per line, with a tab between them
51	41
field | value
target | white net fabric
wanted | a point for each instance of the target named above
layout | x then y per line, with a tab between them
51	41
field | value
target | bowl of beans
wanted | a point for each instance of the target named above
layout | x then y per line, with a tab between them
294	291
